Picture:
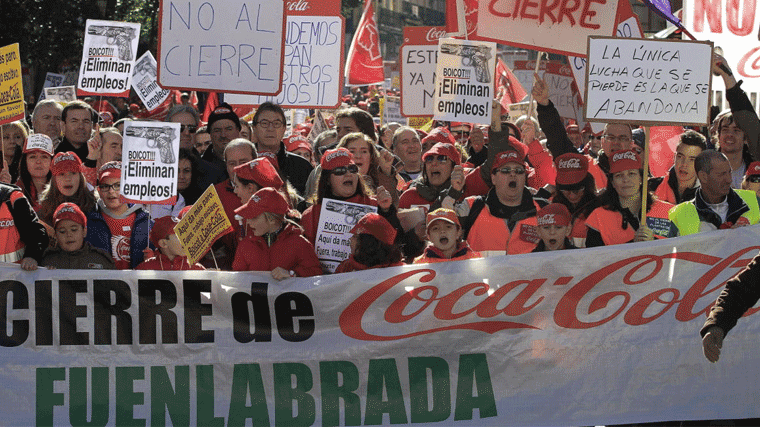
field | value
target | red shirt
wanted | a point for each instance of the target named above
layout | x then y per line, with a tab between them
121	236
163	263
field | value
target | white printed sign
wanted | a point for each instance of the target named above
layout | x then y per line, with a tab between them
418	57
145	83
391	110
108	58
150	162
222	45
51	80
63	94
648	81
464	81
336	219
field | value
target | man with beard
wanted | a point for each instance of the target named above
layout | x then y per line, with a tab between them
680	184
716	205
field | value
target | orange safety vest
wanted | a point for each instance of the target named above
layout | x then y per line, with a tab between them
608	223
490	235
11	246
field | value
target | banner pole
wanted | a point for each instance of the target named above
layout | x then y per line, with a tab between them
530	99
645	178
5	162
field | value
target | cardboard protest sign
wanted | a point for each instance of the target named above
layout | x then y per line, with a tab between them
546	26
649	81
222	45
464	84
734	27
38	141
145	83
420	122
11	90
559	78
51	80
150	162
390	110
203	225
336	219
319	126
418	58
63	94
313	58
108	58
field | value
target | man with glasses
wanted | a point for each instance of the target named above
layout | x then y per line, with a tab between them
46	119
79	119
504	220
681	183
269	128
188	118
224	126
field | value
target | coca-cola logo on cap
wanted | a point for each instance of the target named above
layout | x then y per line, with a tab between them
630	155
569	164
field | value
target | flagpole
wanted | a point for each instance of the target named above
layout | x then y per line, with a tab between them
530	99
645	178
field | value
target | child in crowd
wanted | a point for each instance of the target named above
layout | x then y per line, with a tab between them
170	255
372	245
114	226
273	243
71	251
554	228
446	239
66	185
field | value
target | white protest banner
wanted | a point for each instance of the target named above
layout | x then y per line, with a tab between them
559	78
735	28
464	81
11	89
51	80
222	45
145	83
314	44
577	337
418	57
336	219
63	94
390	110
150	162
648	81
108	57
546	26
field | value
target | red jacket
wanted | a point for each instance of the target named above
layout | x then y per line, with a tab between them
290	251
163	263
433	254
310	218
350	264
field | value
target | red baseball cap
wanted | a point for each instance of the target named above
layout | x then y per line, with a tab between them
109	170
553	214
439	135
572	168
265	200
753	169
377	226
162	228
445	149
509	156
272	158
296	141
336	158
39	142
572	129
66	161
442	214
624	160
71	212
261	171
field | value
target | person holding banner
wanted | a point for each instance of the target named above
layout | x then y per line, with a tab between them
372	245
46	119
22	238
554	228
576	190
275	244
617	219
71	251
34	168
169	254
446	239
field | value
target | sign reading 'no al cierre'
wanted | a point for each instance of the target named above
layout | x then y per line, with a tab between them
222	45
648	81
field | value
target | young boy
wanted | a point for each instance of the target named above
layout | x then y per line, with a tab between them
71	251
114	226
554	227
445	236
170	254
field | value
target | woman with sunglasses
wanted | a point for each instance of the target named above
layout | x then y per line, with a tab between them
752	178
375	167
339	179
617	219
575	188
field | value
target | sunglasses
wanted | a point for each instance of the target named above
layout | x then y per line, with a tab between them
191	128
440	158
753	179
342	170
506	171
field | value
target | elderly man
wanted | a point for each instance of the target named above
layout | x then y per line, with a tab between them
188	118
716	205
407	146
224	126
46	119
79	120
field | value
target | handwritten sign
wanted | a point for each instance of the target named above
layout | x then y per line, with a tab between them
222	45
464	81
336	219
559	78
149	162
51	80
145	83
108	57
651	81
546	26
418	57
202	225
11	91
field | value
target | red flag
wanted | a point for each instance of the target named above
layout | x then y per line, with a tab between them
662	146
470	17
212	101
364	64
508	88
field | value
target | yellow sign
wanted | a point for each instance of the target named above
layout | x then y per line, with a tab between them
11	90
203	224
418	122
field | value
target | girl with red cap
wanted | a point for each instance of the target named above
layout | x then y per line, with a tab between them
372	245
446	239
67	185
275	243
618	220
